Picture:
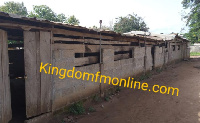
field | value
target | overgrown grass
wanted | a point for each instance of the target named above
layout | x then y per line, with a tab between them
143	77
159	70
107	98
118	89
77	108
91	109
195	54
96	98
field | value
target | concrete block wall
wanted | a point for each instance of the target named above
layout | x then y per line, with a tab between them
172	54
68	90
166	56
62	59
138	55
107	66
194	48
121	68
188	50
178	54
128	66
158	56
149	59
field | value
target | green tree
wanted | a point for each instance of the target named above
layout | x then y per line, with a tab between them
130	23
14	8
192	19
43	11
61	18
73	20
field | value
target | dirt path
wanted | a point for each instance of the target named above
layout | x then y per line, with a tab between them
137	106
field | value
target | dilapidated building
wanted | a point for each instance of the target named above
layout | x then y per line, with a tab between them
27	93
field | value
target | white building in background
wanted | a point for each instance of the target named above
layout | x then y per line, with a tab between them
195	47
196	44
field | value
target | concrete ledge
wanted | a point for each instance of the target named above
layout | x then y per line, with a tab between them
45	118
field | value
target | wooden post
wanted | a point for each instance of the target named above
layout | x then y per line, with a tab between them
5	97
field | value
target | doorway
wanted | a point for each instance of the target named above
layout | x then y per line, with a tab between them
17	81
153	54
24	98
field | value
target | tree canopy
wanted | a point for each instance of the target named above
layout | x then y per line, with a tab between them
14	8
130	23
39	11
193	19
46	12
43	11
73	20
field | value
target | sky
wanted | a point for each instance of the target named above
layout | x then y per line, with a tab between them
161	16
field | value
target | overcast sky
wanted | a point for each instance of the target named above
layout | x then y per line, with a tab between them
161	16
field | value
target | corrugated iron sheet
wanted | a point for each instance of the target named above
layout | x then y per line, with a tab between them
137	34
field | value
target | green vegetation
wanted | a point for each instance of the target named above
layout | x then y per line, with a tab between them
193	19
96	98
107	98
39	11
14	8
77	108
91	109
14	42
146	76
130	23
195	54
73	20
118	89
43	11
159	70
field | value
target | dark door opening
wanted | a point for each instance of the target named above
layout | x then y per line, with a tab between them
152	54
17	82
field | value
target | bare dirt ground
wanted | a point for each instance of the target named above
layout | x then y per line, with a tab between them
137	106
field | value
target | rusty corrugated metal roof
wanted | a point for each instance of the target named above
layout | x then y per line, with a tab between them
137	34
164	37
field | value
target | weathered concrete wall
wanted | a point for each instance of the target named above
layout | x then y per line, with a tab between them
186	51
177	54
68	90
158	56
166	56
194	48
149	59
67	45
138	57
107	66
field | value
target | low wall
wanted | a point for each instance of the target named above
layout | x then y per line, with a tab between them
135	62
178	52
149	59
159	56
68	90
194	48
